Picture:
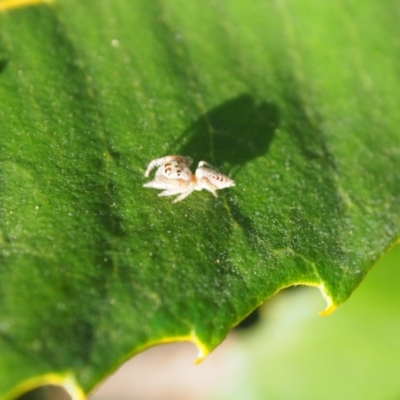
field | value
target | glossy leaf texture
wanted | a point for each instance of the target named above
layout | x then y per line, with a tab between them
295	100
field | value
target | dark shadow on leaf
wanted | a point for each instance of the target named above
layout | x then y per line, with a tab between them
3	65
233	133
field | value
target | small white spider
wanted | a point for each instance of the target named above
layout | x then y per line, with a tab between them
175	177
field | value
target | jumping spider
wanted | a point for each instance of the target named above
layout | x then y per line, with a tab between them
174	177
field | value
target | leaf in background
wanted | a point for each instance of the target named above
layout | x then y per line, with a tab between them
297	101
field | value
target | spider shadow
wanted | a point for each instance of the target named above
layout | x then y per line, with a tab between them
231	134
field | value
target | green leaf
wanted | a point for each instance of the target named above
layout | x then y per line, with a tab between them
297	101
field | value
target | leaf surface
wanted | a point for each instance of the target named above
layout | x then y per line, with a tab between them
296	101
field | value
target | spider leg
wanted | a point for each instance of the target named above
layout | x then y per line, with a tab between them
170	192
163	160
156	185
184	195
205	164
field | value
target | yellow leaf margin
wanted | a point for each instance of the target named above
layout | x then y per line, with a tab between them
10	4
